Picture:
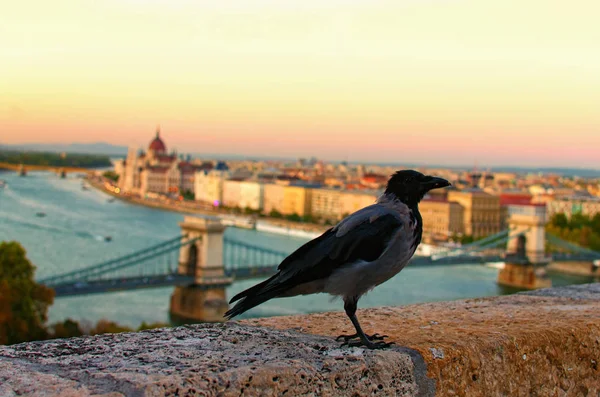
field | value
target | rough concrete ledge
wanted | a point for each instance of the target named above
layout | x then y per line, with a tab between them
211	359
541	343
580	291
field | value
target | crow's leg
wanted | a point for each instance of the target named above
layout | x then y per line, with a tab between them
360	338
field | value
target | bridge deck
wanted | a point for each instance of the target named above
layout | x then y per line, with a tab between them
122	284
152	266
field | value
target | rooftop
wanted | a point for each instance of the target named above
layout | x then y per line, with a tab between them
157	145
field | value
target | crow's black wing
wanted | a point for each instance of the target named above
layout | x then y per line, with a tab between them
362	236
318	258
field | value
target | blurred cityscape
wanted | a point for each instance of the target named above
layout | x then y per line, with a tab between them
313	191
493	232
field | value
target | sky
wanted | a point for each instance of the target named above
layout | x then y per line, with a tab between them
511	82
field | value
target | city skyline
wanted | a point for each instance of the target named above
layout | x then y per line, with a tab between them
453	82
581	171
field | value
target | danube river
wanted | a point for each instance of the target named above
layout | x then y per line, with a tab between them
71	236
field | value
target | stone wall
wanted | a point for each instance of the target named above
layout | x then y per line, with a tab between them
541	343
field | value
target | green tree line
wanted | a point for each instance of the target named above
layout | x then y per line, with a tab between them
24	304
55	159
579	229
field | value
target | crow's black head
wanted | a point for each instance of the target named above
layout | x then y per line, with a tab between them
410	186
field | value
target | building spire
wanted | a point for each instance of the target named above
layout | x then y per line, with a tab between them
158	130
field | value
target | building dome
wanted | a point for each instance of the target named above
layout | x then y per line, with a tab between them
157	145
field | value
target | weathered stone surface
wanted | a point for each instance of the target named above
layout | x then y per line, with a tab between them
581	291
519	345
209	360
542	343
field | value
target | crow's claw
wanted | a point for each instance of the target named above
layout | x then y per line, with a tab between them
355	341
355	336
369	345
346	338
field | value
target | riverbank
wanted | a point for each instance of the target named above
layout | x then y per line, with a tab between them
270	225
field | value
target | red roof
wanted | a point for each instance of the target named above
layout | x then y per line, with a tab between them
355	186
515	199
157	145
373	179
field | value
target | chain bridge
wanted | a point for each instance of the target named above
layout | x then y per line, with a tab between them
203	257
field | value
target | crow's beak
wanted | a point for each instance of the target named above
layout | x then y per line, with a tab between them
433	182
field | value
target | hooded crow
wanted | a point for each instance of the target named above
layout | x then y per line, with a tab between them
364	250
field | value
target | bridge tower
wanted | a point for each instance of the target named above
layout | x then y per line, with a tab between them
205	300
526	252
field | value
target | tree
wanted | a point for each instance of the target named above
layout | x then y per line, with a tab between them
108	327
188	195
585	236
578	221
595	242
559	220
580	229
466	239
23	303
275	214
66	329
294	217
595	223
251	211
113	176
54	159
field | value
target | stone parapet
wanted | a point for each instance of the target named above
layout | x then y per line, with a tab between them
542	343
545	342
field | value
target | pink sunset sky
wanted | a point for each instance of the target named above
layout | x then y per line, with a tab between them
514	82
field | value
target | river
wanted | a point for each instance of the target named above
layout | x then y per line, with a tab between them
71	236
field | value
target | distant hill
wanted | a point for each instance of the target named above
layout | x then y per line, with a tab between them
88	148
565	171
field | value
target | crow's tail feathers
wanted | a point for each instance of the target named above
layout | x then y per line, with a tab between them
254	296
255	290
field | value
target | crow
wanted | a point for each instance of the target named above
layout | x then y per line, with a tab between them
362	251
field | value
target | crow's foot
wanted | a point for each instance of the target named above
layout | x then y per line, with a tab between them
368	344
373	337
356	341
